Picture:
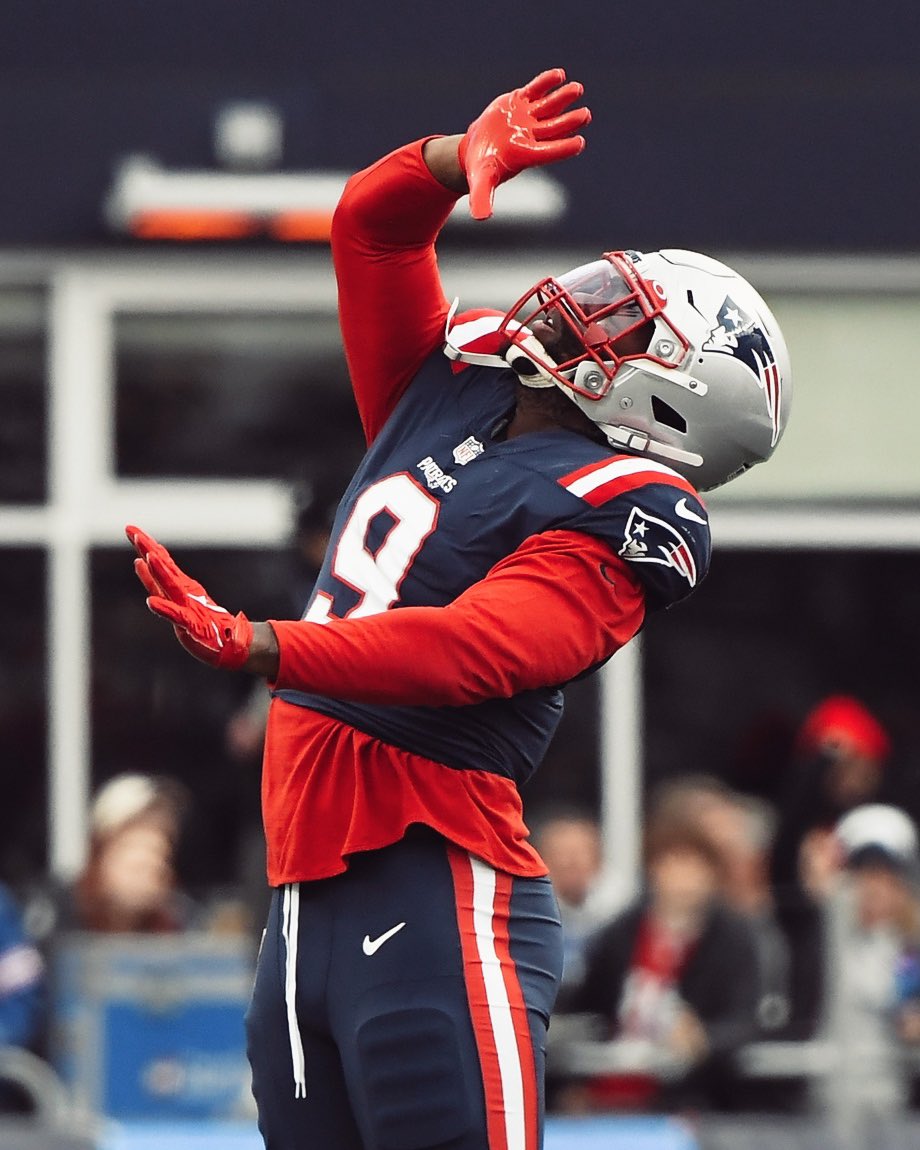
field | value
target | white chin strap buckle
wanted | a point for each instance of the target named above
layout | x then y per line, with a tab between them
631	440
524	358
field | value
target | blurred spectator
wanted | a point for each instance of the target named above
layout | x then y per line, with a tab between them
129	883
684	798
674	979
838	763
569	842
874	1008
841	751
741	828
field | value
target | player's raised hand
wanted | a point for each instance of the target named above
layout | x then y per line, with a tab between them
521	129
205	630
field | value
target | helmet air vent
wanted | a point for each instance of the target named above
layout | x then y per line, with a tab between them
665	413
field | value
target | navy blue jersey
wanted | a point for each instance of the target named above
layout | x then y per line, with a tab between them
441	497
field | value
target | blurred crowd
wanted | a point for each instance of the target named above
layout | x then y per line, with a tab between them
757	927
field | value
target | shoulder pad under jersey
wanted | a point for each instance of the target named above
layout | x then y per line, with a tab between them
472	337
650	516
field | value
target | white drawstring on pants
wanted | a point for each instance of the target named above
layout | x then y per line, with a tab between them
290	920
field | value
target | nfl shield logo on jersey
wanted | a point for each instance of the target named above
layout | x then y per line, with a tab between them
467	451
651	540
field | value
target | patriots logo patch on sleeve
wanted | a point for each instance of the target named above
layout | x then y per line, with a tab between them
651	540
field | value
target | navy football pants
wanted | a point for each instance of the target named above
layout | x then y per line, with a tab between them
404	1004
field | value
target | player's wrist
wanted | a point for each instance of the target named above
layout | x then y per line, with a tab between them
264	654
442	158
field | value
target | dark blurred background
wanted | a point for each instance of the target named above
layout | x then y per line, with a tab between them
784	125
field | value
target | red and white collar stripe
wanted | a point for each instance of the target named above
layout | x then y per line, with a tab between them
602	481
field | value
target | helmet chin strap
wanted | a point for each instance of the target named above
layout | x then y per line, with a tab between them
529	372
630	439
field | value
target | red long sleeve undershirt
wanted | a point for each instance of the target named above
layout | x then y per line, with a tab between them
391	304
559	604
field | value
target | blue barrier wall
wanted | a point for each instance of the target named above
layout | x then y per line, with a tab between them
561	1134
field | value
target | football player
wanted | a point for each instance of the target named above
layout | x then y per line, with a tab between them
528	498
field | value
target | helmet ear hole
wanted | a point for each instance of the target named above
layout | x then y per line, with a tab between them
522	365
665	413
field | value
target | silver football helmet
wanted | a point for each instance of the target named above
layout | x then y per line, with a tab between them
672	354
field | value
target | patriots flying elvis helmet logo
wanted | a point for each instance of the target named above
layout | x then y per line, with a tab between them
740	335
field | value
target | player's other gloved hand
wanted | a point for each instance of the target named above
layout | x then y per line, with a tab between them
521	129
204	629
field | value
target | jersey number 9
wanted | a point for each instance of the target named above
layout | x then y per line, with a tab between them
376	575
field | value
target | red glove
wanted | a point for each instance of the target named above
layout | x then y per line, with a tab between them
204	629
521	129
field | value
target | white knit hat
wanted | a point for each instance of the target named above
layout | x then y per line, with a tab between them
120	800
879	828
